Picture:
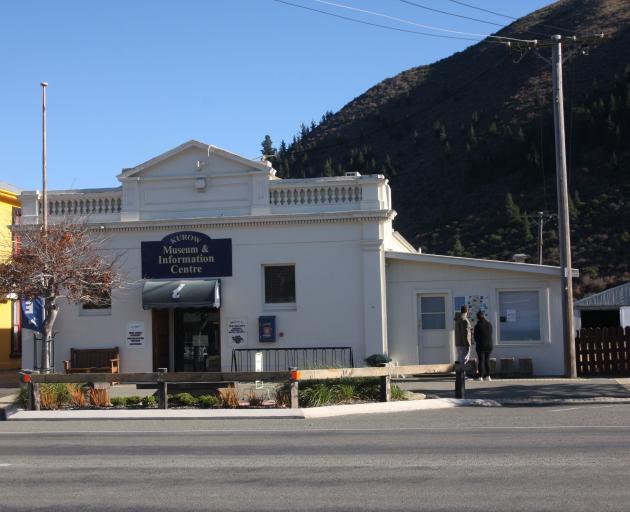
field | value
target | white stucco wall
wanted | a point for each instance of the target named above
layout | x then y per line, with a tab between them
405	279
331	308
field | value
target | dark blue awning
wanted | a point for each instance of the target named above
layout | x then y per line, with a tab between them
184	293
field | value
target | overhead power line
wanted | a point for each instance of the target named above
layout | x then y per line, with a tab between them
506	15
387	27
484	10
451	13
421	25
421	6
421	111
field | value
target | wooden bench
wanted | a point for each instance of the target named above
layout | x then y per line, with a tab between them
93	360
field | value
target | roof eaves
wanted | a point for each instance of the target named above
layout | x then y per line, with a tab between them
479	263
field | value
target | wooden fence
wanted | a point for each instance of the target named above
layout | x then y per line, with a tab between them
603	351
294	376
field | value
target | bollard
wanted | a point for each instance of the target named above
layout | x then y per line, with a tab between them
294	379
162	388
460	380
34	403
386	388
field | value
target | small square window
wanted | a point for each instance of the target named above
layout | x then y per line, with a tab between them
279	284
101	305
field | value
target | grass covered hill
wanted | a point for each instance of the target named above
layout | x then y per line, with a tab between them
468	144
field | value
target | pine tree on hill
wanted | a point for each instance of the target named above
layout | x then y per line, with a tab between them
267	147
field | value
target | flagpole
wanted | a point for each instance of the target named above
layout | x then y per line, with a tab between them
44	192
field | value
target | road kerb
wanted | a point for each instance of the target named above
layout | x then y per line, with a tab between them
302	413
13	414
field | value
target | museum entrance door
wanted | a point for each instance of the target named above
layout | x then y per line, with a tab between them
197	341
161	338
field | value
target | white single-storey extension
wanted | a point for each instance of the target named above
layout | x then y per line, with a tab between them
225	260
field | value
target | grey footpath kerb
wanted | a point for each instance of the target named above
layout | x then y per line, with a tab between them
530	392
303	413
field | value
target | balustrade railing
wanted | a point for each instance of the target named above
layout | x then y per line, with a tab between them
79	205
315	194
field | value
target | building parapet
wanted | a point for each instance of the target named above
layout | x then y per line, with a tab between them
315	195
343	193
97	205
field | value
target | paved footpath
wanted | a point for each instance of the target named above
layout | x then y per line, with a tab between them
528	391
508	392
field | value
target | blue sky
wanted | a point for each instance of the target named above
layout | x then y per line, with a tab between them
132	79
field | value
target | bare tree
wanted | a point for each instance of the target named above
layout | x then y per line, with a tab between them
64	260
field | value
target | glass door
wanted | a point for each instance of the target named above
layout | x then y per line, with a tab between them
197	340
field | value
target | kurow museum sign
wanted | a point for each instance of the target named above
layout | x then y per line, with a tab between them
186	254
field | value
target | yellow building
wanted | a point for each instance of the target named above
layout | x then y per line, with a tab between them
10	342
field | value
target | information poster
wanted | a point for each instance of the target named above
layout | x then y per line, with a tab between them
237	331
135	334
475	304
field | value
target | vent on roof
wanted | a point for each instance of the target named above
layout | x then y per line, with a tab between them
353	173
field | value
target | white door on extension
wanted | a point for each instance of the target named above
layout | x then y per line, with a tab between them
434	330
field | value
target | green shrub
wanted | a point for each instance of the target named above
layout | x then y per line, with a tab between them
150	402
185	400
367	389
21	400
344	391
283	396
118	401
398	393
316	395
133	401
208	401
377	359
338	391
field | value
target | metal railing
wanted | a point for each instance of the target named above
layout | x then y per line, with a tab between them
279	359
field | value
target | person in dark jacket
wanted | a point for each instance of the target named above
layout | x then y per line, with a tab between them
483	345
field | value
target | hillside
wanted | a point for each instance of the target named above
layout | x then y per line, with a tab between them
468	144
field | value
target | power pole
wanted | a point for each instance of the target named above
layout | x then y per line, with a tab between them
44	193
541	217
563	209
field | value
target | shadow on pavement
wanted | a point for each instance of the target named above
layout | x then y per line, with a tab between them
523	389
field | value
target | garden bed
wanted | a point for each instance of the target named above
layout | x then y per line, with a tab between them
311	394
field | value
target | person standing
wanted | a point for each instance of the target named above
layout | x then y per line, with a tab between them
483	345
463	338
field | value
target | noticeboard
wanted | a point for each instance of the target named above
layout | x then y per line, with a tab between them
267	329
237	331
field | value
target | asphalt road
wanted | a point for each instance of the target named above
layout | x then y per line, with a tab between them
572	458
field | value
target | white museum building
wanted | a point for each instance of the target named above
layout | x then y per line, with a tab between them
225	261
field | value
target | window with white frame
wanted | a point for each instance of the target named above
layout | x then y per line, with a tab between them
279	284
101	305
519	316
